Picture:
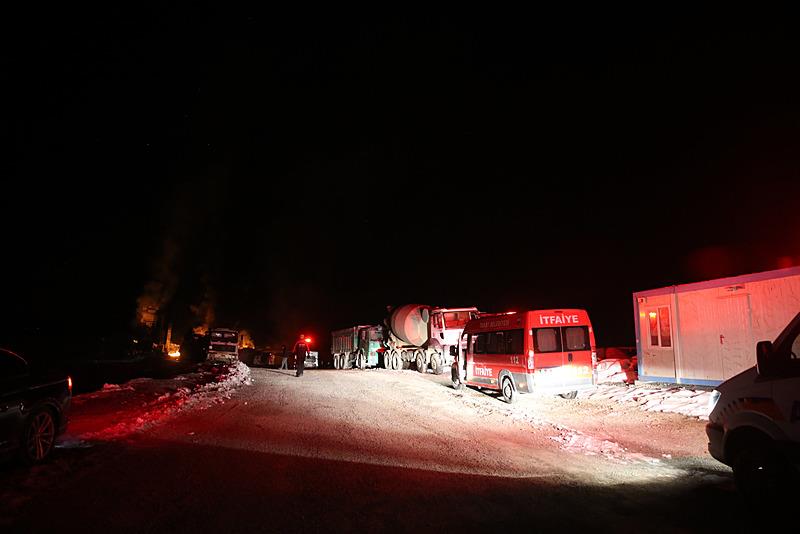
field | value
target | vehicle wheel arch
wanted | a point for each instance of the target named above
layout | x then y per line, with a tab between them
738	438
502	376
753	426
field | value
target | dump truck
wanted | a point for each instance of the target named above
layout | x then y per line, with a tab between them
358	346
421	335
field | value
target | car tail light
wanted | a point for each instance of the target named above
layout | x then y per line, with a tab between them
69	383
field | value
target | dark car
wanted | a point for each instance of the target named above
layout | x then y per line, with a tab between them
33	407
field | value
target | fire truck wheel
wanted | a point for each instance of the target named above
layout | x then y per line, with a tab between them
419	361
571	395
507	391
457	383
436	365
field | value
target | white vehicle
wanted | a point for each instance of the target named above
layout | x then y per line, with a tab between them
754	425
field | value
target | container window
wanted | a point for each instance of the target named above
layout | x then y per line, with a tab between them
664	326
576	338
653	320
547	339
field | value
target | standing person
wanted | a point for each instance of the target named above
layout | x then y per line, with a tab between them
300	352
284	358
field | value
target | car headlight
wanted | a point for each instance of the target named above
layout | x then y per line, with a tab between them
713	400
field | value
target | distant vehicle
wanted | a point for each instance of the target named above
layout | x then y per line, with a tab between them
422	336
33	408
542	350
357	346
312	359
223	344
414	334
754	425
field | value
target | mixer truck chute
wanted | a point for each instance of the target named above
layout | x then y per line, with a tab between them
422	335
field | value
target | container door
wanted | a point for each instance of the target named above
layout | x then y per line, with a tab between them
737	350
657	342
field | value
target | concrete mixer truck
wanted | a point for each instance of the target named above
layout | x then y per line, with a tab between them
421	335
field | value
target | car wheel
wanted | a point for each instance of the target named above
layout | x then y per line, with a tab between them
570	395
38	436
507	391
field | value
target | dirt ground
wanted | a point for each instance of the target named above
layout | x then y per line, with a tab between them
380	450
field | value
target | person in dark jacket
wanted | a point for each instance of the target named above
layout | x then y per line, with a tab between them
284	357
300	352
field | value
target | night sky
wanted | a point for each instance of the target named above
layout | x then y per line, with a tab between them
300	172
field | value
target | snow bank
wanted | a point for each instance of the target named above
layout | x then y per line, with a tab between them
676	399
118	411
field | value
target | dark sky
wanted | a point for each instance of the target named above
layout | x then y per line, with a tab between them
302	171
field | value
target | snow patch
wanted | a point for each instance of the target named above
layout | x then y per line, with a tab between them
197	391
682	400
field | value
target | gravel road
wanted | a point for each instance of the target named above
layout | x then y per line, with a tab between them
379	450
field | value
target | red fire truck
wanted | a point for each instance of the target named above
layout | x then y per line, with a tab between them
543	350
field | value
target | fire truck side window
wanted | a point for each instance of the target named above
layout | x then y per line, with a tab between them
495	344
514	341
547	339
479	343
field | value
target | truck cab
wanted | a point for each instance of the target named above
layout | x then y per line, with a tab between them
223	344
754	424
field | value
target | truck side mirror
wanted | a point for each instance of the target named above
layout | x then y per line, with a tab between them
763	357
454	351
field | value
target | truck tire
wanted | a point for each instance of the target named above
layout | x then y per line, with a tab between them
386	360
436	364
419	360
507	392
396	361
361	361
456	379
335	361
